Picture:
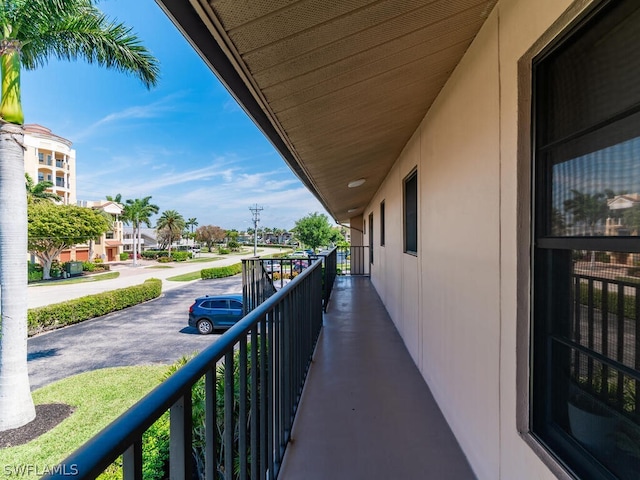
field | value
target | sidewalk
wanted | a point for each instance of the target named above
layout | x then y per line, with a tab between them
39	295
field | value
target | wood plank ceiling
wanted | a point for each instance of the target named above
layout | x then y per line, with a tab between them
344	83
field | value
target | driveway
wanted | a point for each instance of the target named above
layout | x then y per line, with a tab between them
155	332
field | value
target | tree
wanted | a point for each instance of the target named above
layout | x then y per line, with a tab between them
137	212
313	230
210	234
116	199
54	228
631	218
171	223
587	208
34	31
191	224
336	236
37	192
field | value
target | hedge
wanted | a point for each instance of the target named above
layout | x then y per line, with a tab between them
220	272
58	315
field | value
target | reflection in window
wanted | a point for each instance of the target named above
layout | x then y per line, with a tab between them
598	193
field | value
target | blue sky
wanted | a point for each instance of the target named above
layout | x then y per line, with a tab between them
185	142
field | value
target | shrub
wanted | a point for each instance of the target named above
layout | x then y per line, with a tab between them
221	272
124	256
34	272
88	266
233	245
180	256
59	315
198	395
223	251
164	259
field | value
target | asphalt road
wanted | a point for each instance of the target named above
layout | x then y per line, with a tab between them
155	332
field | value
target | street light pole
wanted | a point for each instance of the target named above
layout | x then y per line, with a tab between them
255	210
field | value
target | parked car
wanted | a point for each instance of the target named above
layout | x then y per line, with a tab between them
213	312
299	254
271	266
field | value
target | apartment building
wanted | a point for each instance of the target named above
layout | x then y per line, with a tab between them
49	157
468	143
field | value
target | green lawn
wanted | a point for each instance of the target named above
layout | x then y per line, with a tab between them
84	279
203	259
186	277
98	398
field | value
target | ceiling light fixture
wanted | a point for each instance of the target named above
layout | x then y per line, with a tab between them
356	183
351	210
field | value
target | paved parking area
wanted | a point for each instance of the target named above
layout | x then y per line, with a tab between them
152	333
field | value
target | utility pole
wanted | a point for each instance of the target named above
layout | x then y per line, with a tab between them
255	210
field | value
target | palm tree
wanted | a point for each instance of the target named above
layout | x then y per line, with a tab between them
172	223
34	31
587	208
116	199
191	224
37	192
138	211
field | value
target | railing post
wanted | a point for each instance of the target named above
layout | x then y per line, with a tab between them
132	462
180	439
211	446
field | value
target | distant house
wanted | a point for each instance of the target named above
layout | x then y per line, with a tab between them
620	202
106	248
147	236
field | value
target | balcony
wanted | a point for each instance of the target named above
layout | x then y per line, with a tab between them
364	411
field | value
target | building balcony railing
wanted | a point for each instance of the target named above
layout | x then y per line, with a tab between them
253	377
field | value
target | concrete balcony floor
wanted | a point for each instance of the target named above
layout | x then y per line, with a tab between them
366	412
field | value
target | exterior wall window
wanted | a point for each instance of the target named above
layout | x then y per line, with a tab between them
40	157
586	262
411	213
382	224
371	238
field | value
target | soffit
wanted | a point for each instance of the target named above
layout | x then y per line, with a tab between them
344	83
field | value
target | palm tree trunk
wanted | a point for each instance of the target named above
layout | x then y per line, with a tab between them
135	241
16	404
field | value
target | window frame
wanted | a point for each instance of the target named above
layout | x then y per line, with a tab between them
410	216
371	238
548	255
382	223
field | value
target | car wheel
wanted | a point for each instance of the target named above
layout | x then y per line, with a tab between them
204	326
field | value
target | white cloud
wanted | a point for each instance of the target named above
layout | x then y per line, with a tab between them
152	110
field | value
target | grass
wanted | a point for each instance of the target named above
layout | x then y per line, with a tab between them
160	266
98	398
204	259
84	279
186	277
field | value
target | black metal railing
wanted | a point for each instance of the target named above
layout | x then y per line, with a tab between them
251	380
352	260
605	340
261	278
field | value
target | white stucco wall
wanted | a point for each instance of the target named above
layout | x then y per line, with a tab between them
455	303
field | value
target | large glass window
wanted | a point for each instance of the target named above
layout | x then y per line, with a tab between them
586	286
411	213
